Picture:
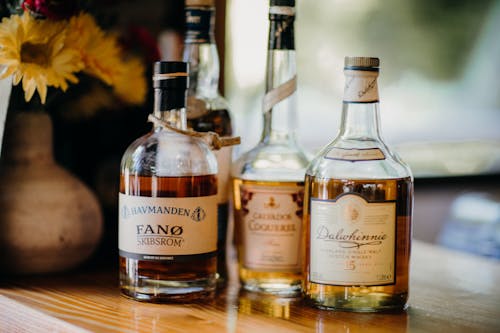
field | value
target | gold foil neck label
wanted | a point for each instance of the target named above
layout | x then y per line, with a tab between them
352	155
272	226
352	241
360	86
167	226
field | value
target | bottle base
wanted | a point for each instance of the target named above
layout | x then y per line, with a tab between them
162	291
277	288
375	302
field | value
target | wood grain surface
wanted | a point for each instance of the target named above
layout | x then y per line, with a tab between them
450	292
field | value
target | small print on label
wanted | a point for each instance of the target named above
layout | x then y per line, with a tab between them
354	155
352	241
272	227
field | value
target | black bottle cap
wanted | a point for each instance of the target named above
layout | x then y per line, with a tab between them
170	75
289	3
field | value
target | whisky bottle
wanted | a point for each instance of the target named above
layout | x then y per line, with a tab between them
207	110
358	208
168	204
268	180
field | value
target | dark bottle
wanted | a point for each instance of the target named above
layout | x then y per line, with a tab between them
207	110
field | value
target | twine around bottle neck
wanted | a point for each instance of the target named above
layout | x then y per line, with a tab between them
212	139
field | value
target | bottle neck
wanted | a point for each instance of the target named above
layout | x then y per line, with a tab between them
360	111
279	102
200	51
170	106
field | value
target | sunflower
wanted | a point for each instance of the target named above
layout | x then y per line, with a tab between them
35	52
100	52
130	84
102	56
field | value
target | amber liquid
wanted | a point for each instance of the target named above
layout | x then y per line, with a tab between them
161	281
218	121
355	297
275	282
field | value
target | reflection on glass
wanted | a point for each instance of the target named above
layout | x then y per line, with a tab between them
272	306
349	322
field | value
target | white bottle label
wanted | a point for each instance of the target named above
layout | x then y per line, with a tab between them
164	228
353	154
352	241
224	163
271	231
360	86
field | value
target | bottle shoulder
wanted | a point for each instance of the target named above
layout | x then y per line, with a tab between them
367	159
165	153
272	162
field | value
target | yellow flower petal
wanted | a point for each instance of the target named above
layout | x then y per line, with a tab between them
17	77
29	89
35	52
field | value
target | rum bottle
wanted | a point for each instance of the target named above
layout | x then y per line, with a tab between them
268	180
168	204
358	208
207	110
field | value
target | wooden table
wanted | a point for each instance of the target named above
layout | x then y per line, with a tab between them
450	292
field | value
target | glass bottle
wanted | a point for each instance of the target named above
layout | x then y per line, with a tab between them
268	180
358	208
207	110
167	204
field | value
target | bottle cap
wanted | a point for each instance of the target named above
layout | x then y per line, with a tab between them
290	3
361	62
204	3
170	75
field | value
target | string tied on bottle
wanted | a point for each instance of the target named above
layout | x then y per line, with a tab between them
212	139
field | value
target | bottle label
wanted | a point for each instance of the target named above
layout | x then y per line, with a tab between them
353	155
352	241
167	228
361	86
271	230
199	23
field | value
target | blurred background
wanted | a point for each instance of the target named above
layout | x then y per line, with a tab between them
439	86
439	83
440	97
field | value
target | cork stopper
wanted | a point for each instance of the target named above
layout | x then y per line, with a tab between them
366	62
203	3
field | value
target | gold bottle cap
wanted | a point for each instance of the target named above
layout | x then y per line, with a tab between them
204	3
368	62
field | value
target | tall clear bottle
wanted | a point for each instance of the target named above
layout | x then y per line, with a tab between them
207	110
358	208
168	204
268	180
